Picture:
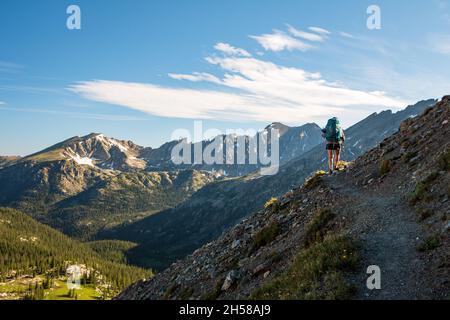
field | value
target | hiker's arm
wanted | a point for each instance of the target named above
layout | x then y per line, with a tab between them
343	136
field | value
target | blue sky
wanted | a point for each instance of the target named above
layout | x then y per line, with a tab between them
141	69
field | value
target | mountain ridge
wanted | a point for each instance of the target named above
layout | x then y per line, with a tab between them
172	234
392	201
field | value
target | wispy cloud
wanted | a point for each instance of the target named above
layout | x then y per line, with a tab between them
195	77
346	35
250	90
279	41
306	35
10	67
32	89
319	30
80	115
230	50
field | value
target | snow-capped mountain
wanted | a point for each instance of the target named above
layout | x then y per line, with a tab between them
95	150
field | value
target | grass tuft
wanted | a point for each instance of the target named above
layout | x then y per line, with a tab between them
315	180
444	161
385	167
421	192
424	214
215	293
272	204
431	243
315	229
266	235
317	272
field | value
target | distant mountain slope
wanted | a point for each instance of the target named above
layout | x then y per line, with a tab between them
82	198
94	150
85	184
293	142
172	234
7	161
393	202
28	247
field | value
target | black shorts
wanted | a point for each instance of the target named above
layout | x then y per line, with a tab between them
333	146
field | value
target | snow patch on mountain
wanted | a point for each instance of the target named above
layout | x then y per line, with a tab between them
82	160
112	142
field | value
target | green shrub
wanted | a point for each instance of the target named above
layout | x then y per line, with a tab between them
427	111
317	272
170	291
186	293
266	235
385	167
315	228
430	243
408	156
315	180
272	204
421	192
444	161
215	293
425	214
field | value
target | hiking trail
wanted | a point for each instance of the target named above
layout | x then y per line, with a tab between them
388	232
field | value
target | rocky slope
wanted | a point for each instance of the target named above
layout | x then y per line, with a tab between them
389	208
174	233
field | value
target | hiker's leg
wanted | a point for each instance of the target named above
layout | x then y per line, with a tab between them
330	159
337	157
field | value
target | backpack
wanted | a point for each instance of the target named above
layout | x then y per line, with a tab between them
333	130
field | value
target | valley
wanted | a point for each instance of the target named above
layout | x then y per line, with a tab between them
115	199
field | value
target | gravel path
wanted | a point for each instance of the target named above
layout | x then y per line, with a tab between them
389	233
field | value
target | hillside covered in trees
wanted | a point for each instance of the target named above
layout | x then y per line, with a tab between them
29	249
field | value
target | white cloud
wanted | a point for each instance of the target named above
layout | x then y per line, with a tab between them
230	50
305	35
279	41
79	115
346	35
250	90
1	102
319	30
195	77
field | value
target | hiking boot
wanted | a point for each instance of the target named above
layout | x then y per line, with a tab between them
330	172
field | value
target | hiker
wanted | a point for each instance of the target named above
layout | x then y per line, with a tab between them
335	136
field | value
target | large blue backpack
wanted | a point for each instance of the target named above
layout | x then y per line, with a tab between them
333	130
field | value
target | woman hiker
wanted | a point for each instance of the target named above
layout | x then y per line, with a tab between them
335	136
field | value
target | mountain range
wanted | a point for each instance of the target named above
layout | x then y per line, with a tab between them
388	210
95	187
172	234
87	184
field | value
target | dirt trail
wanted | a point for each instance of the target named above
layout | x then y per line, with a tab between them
389	233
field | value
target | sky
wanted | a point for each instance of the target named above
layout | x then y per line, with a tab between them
139	70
